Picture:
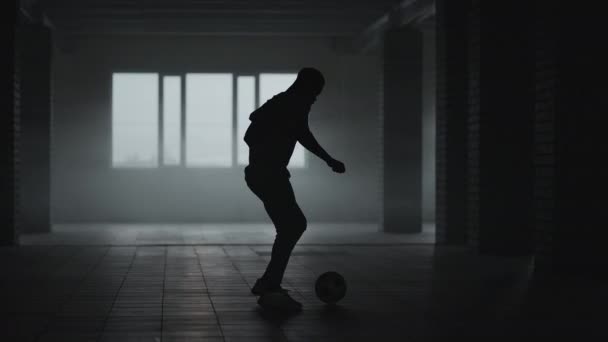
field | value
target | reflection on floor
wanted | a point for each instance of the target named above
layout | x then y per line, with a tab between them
201	293
218	234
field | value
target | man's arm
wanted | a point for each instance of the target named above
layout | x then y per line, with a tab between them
310	143
308	140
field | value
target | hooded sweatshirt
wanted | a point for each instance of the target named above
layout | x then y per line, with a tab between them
274	130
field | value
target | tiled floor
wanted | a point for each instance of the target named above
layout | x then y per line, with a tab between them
201	293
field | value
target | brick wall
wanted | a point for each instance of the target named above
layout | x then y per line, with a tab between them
380	135
34	145
571	150
506	107
16	139
544	132
473	124
440	127
451	129
10	128
536	151
484	132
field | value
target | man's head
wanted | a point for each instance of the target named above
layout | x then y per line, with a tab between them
309	81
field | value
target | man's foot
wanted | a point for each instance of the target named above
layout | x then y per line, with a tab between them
279	301
260	288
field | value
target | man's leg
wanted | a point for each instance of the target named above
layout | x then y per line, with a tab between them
288	219
290	224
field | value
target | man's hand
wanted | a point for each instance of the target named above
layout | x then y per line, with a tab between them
336	165
310	143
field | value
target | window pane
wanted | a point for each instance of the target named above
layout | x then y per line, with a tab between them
270	85
245	105
134	120
209	119
172	120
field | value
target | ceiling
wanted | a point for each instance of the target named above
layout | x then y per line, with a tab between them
216	17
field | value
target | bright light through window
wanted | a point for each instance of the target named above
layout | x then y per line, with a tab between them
270	85
135	120
172	107
209	119
208	130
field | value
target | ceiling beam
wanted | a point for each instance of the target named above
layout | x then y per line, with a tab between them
206	29
408	12
209	17
31	10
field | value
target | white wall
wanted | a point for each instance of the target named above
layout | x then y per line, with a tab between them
86	188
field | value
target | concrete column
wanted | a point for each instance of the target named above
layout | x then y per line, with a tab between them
10	108
35	147
402	131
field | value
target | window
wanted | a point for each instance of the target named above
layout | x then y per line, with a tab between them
203	116
135	120
209	120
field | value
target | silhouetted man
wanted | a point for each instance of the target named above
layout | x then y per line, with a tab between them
272	135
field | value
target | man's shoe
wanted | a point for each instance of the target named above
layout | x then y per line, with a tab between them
260	288
279	301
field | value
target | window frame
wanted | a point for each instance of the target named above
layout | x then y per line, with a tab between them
182	117
182	165
256	105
